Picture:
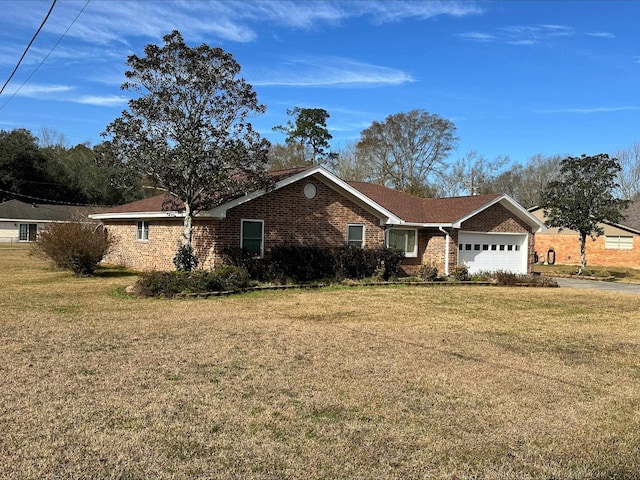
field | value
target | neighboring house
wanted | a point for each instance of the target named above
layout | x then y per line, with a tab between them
311	206
618	247
21	222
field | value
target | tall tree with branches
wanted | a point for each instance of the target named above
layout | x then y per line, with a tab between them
308	132
188	130
584	197
408	150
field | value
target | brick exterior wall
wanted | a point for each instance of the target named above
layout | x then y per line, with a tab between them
155	254
567	250
432	251
289	217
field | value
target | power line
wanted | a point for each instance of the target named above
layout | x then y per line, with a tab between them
54	202
47	55
28	46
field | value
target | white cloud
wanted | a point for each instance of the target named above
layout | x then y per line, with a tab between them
521	34
114	22
334	71
588	110
391	11
37	90
601	34
477	36
101	101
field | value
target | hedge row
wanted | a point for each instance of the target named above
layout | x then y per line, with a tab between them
168	284
285	264
308	263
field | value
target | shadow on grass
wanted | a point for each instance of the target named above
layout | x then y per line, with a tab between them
115	272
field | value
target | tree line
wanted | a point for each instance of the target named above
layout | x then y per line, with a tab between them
44	168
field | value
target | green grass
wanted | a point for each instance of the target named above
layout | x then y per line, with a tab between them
411	382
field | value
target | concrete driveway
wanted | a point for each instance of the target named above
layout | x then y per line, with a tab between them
596	285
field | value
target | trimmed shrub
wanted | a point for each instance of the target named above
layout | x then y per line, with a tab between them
185	260
258	269
168	284
358	263
75	246
307	263
302	263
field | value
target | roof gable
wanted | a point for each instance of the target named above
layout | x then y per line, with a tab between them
328	178
450	211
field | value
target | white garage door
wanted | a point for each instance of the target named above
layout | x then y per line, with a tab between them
492	252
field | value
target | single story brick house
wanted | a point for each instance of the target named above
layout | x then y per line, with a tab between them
21	222
618	247
312	206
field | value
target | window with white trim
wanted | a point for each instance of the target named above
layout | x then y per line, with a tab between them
355	235
27	232
142	231
252	236
403	239
618	242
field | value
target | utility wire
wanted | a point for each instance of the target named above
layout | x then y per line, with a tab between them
28	46
51	202
47	56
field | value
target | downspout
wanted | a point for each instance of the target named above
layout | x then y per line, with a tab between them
446	250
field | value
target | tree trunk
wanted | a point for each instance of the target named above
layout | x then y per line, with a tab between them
583	254
188	224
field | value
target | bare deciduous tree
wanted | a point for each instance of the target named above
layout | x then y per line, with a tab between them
629	175
408	150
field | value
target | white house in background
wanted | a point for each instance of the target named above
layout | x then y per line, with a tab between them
21	222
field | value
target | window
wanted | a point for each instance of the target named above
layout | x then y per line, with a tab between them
618	242
142	232
403	239
252	236
27	232
355	235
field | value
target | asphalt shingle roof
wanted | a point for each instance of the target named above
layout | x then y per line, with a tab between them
423	210
17	210
409	208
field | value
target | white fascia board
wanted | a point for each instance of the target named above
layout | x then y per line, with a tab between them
511	205
25	220
221	210
138	215
422	225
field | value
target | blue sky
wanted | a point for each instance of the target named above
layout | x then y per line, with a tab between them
517	78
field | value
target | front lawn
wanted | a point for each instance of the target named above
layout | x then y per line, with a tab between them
376	382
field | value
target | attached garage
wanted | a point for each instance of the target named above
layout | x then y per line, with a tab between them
493	251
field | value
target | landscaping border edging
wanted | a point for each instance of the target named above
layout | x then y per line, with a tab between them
363	284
